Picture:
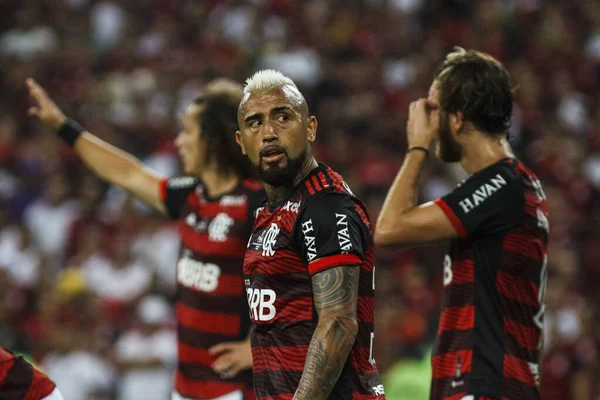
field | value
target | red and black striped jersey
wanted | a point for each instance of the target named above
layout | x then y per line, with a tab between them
321	225
19	380
489	335
210	302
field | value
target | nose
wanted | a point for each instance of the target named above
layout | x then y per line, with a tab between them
177	140
269	134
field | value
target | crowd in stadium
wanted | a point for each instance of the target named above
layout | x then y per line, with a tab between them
87	273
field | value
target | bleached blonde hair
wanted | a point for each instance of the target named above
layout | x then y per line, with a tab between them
267	79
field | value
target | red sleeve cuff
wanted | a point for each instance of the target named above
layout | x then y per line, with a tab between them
333	261
456	222
162	187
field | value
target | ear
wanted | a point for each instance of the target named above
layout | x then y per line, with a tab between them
457	122
312	128
238	139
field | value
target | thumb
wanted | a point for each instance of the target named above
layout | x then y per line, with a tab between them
220	348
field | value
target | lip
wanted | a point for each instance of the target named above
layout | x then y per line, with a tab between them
272	154
274	158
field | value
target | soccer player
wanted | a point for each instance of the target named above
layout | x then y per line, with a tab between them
215	210
489	336
20	380
309	263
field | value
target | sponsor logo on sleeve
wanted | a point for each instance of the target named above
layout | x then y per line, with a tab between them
180	182
343	233
309	240
483	193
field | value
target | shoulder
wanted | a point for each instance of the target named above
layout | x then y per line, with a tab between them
253	185
502	173
255	192
501	177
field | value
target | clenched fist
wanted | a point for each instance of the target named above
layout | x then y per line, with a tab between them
423	125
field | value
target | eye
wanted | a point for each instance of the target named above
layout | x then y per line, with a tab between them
254	123
282	118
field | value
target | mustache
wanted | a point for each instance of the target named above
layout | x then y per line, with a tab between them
271	149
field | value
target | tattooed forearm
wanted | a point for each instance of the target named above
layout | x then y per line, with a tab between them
335	294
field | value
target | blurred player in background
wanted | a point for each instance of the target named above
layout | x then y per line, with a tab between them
19	380
490	330
214	205
309	266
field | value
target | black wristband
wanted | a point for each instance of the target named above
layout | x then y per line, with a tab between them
418	148
70	131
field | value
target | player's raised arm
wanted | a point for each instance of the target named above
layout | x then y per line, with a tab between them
106	160
401	222
335	295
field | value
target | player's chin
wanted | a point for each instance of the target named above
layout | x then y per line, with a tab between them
190	169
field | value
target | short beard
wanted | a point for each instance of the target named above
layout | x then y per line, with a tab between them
448	150
281	176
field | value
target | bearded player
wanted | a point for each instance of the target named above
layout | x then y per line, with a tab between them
214	205
309	263
489	336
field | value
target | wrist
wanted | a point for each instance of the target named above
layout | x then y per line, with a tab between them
418	149
70	131
60	121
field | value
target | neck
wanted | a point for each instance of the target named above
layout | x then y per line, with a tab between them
278	193
216	183
483	151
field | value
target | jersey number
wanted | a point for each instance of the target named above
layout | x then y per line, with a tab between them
198	275
447	270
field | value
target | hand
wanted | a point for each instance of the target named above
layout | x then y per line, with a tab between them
234	357
423	125
47	111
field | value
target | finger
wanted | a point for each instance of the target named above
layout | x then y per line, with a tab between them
234	370
220	348
422	104
223	364
36	90
33	112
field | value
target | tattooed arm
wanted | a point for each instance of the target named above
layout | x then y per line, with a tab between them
335	293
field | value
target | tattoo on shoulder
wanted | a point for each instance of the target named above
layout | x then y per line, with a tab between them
336	288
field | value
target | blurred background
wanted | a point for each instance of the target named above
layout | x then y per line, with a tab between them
87	274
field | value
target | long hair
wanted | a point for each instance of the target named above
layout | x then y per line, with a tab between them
218	124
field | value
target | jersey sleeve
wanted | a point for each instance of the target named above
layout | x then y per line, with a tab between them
489	202
331	231
174	193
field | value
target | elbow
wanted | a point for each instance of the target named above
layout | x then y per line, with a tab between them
381	238
388	240
349	324
353	328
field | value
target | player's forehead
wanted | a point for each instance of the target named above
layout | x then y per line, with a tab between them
264	102
191	113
